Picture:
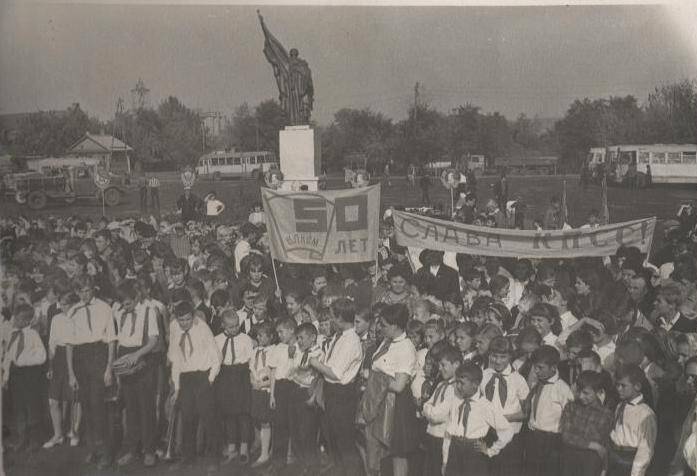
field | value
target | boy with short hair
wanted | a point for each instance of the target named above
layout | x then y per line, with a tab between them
546	403
23	373
434	331
585	428
279	361
633	436
195	359
233	388
507	390
470	418
436	410
304	421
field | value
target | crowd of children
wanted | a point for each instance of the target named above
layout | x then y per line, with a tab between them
149	342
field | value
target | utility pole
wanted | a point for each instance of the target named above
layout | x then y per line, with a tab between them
416	99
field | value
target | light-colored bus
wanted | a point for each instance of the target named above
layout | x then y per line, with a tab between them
227	164
669	163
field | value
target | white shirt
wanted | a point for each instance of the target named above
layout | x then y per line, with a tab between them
280	361
607	355
101	320
344	356
200	352
668	325
638	430
33	351
482	417
130	325
301	372
550	404
434	270
214	207
256	218
400	357
517	392
567	320
62	330
550	339
437	409
244	348
419	377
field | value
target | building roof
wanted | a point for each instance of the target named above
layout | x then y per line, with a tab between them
98	143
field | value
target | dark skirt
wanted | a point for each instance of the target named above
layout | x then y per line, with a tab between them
233	390
59	385
465	458
260	409
406	428
542	451
620	460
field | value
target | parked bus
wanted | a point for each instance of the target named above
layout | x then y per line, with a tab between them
227	164
670	163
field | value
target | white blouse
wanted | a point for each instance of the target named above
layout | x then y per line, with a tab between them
400	357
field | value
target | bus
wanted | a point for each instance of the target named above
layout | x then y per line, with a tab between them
670	163
234	164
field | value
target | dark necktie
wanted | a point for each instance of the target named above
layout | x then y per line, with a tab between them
229	342
383	350
536	396
331	347
619	416
503	388
439	394
306	357
17	335
465	408
86	307
524	369
182	344
133	321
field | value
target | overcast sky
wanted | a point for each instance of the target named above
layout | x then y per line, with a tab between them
532	60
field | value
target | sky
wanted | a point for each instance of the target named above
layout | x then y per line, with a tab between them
531	60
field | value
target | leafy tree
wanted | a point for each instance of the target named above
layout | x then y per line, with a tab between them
671	112
181	133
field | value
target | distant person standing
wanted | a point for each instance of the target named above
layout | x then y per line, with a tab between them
425	183
143	189
553	219
386	174
189	205
214	207
649	177
501	190
154	186
585	176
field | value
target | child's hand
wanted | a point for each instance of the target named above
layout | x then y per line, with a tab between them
108	377
272	402
72	381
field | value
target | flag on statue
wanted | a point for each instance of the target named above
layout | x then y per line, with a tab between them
329	226
564	206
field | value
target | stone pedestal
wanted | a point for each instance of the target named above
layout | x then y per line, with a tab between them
301	157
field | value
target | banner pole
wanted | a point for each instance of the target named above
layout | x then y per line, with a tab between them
452	203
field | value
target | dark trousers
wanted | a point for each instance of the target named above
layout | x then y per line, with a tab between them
542	451
580	462
143	199
464	458
340	412
196	403
89	361
138	392
25	389
281	419
425	197
620	461
155	199
434	456
303	426
510	459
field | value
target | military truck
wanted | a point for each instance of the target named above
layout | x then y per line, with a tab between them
66	184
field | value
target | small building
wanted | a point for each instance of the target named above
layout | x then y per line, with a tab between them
112	152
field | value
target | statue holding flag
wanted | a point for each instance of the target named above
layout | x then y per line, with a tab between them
293	77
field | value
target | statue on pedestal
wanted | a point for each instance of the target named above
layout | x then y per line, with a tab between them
293	77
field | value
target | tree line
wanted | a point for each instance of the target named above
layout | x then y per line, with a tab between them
171	135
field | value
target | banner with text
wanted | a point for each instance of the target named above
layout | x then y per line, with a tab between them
334	226
424	232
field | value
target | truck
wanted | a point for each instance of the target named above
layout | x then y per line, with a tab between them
65	184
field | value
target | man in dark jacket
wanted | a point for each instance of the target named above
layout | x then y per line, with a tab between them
190	205
440	279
